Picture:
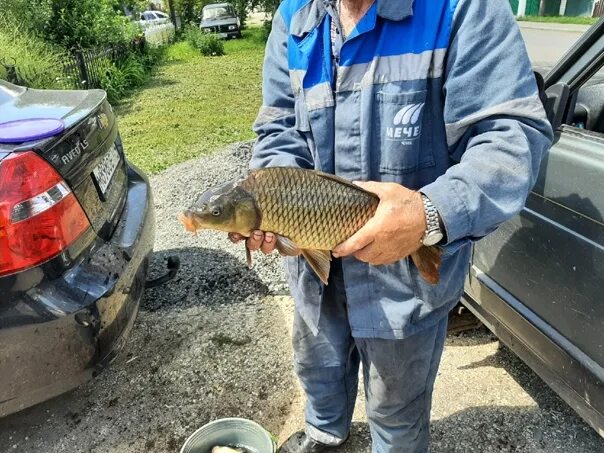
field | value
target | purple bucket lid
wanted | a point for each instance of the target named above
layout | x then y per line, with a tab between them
27	130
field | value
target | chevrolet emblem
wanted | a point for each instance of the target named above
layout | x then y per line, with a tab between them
102	120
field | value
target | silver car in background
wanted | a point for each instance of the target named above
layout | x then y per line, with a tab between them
220	18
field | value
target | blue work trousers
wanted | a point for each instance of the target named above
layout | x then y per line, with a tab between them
398	376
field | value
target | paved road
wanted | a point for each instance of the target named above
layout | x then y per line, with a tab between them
546	44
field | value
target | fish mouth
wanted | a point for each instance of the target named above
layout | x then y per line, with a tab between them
188	221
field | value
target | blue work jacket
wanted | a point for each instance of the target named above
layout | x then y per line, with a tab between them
437	95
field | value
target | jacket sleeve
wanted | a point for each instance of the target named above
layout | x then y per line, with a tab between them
279	143
496	127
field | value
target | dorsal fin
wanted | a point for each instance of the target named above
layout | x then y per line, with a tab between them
319	174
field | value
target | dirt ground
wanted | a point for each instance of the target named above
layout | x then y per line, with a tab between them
215	342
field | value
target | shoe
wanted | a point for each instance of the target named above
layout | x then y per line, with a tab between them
301	443
461	319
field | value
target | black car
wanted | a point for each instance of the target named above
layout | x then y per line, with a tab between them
220	18
76	234
538	281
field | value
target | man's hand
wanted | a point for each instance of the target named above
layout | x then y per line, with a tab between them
259	240
394	232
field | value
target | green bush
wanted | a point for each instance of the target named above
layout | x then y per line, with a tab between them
39	64
71	23
118	78
112	80
151	56
133	70
30	15
208	44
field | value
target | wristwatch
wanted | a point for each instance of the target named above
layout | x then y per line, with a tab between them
434	233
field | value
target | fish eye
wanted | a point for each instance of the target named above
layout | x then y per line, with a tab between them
216	211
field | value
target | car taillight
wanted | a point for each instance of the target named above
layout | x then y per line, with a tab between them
39	215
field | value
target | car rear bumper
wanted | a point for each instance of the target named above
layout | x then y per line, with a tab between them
80	319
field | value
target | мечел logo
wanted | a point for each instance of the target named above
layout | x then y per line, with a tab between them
405	123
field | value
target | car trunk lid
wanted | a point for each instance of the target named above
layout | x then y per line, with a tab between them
88	154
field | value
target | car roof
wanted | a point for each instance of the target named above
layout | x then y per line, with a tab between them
216	5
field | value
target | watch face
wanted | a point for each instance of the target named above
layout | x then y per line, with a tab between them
432	238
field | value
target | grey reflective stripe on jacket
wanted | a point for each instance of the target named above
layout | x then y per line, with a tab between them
438	96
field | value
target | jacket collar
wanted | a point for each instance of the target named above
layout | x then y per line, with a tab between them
307	18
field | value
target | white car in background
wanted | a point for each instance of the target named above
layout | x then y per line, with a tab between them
150	17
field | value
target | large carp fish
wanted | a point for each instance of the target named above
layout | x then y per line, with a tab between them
310	213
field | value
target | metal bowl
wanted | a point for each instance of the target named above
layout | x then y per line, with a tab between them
230	431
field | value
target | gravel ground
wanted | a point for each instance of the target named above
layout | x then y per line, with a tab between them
215	342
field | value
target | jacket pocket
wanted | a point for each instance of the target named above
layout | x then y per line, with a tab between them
403	135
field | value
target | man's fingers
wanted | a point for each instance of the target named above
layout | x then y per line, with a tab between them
369	254
371	186
235	237
254	242
269	243
356	242
260	240
381	189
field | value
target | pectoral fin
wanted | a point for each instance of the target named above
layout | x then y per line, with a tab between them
320	261
286	247
428	260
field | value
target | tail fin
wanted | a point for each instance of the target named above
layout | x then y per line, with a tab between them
428	260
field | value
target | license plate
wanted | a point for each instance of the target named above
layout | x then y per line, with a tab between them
103	173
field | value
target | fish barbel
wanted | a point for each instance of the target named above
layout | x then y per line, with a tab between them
309	211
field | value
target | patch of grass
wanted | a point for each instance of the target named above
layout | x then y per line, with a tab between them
181	51
253	38
39	63
194	105
561	19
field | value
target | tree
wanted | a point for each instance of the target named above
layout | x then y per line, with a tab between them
87	23
190	10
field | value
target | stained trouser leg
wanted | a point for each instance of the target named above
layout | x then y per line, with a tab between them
328	366
399	377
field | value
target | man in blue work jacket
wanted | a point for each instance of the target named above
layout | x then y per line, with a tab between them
434	104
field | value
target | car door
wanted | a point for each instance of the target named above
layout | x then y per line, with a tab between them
538	281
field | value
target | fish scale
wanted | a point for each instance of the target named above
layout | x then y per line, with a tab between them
314	210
